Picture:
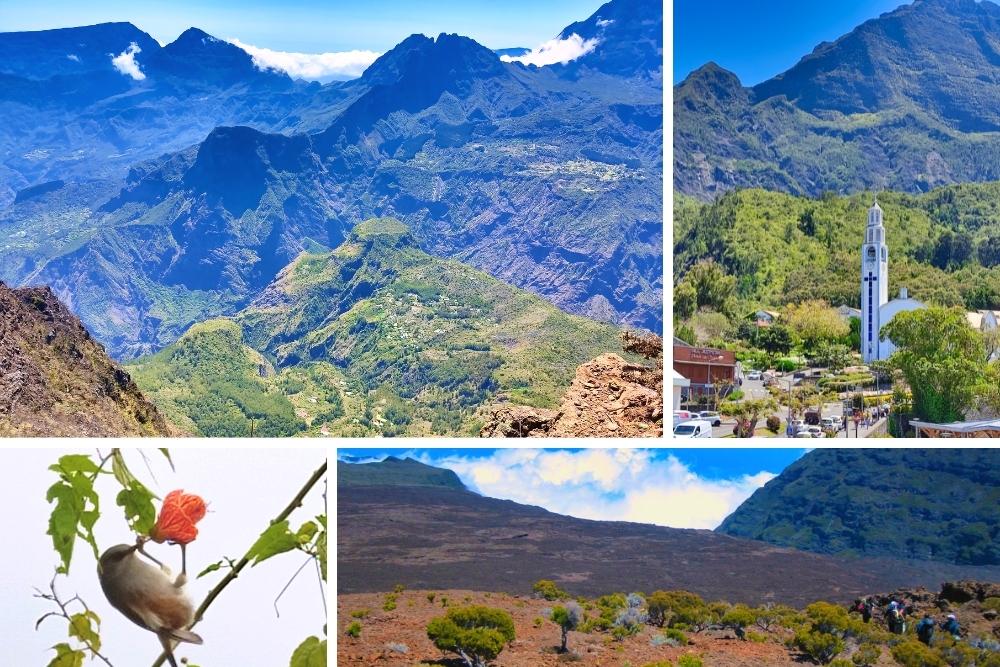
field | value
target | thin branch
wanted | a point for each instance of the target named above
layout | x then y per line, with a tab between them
322	584
64	613
243	562
289	583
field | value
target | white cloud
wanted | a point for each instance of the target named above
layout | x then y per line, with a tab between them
72	56
604	23
605	484
556	51
125	62
311	66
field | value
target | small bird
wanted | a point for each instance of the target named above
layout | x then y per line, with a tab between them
146	596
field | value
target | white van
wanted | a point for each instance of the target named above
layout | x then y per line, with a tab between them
694	428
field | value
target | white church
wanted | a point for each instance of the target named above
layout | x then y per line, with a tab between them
876	309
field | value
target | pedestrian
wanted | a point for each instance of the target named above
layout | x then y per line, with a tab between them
925	629
952	627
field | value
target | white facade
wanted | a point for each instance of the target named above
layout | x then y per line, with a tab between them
874	284
680	384
889	311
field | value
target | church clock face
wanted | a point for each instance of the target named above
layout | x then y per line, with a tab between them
871	253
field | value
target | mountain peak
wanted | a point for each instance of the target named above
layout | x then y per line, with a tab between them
41	54
939	55
421	58
199	57
394	471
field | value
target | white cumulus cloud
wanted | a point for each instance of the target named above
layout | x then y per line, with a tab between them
72	56
605	484
311	66
556	51
125	62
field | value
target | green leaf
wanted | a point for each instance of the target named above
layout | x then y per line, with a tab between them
66	656
277	539
310	653
170	460
321	553
214	567
76	506
82	627
306	532
75	463
140	513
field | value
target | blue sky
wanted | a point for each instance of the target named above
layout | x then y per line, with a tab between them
681	488
315	26
758	40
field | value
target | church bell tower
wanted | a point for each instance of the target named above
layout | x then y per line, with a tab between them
874	282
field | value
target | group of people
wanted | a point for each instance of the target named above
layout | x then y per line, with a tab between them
896	614
925	628
870	416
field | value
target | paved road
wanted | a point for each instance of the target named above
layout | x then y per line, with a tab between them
755	389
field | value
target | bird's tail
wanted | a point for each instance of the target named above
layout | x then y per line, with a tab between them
186	636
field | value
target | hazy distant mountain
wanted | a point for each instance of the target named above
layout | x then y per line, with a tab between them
908	100
82	117
931	504
550	183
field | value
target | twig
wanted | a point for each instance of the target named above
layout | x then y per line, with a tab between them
289	583
243	562
64	613
322	584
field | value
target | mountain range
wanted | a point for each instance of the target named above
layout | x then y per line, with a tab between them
151	204
404	522
907	100
376	337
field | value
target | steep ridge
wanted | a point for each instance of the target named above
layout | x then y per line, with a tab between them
55	380
452	538
463	148
928	504
906	100
375	337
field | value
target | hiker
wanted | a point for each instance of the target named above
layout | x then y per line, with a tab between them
925	629
866	610
952	627
894	618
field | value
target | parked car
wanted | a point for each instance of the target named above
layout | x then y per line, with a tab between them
797	425
695	428
754	375
683	415
712	417
828	424
803	434
815	431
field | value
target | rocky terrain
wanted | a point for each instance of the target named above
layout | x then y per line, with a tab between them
399	636
609	397
55	380
394	532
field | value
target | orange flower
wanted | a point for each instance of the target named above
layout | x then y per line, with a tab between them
178	516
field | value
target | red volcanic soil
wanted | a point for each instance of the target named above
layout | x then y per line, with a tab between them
533	646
